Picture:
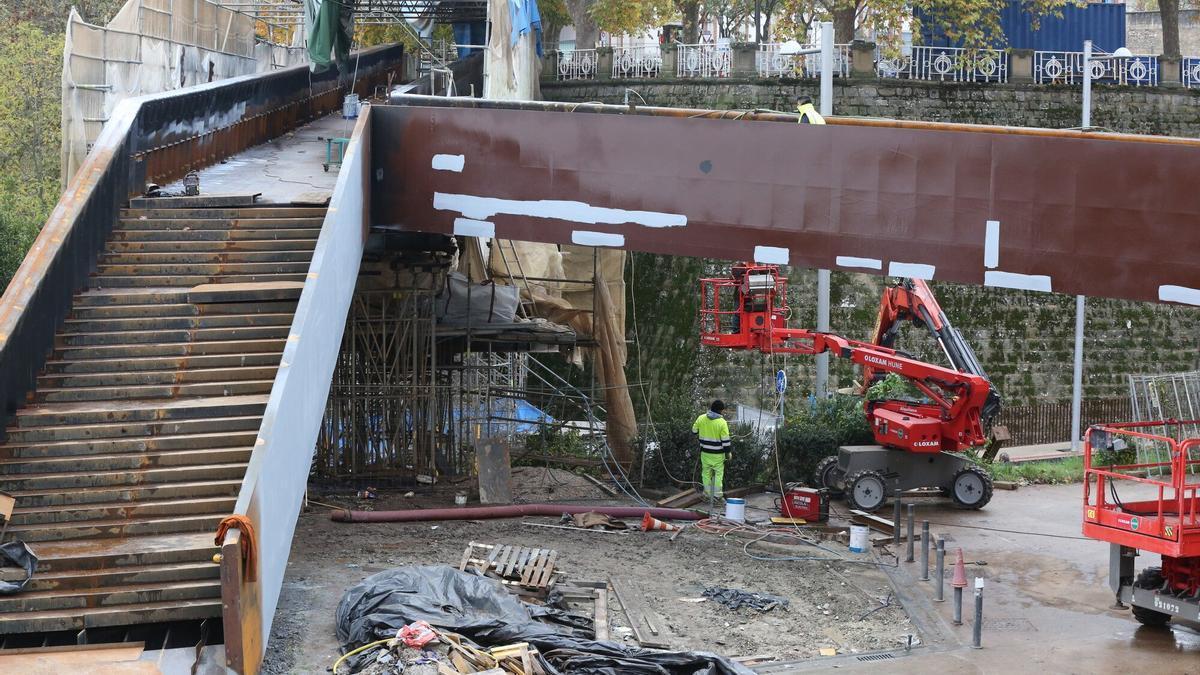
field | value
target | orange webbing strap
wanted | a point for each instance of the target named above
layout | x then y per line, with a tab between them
248	542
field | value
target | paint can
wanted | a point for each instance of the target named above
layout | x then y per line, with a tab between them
350	106
460	499
735	509
859	538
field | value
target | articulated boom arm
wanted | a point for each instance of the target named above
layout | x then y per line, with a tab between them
912	300
754	318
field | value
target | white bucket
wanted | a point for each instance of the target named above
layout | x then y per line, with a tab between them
350	106
735	509
858	538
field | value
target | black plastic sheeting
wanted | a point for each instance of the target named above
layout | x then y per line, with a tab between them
17	553
735	599
480	609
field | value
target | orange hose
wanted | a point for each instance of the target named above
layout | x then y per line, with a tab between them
249	543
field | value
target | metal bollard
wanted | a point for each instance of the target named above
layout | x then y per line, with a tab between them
912	512
940	571
957	606
896	522
924	550
977	638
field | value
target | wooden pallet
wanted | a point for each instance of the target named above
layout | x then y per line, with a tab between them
530	568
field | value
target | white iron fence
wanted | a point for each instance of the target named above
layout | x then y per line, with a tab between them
771	61
704	60
577	64
948	64
1067	68
637	62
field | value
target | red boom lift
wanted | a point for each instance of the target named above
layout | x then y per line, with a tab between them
1160	513
920	443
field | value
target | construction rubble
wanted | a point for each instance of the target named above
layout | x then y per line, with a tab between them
442	621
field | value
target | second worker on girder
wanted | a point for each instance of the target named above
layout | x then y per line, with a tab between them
808	113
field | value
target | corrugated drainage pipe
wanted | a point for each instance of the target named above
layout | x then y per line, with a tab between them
507	511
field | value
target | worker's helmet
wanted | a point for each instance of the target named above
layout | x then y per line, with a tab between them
717	406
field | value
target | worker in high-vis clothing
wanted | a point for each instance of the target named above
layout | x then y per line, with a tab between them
808	114
713	433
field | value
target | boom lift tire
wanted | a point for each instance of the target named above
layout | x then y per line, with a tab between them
866	490
971	488
829	476
1150	579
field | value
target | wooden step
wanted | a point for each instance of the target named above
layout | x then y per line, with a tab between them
147	431
159	363
189	280
173	349
268	234
157	377
136	444
193	224
210	246
82	479
210	258
117	527
193	269
71	580
61	414
44	498
160	337
77	513
117	615
143	324
263	211
16	467
154	391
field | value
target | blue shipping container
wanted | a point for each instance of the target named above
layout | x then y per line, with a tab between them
1103	24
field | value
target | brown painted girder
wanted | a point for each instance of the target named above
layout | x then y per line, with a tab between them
1093	214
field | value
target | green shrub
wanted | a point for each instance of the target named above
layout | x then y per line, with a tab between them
815	431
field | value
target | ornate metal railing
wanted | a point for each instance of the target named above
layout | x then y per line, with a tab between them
950	64
577	64
1067	68
1189	71
704	61
637	62
771	61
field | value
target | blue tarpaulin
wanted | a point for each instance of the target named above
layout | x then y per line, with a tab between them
525	17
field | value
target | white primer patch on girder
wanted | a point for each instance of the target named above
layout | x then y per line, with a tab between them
773	255
991	245
865	263
465	227
1021	282
911	270
1188	296
453	163
586	238
482	208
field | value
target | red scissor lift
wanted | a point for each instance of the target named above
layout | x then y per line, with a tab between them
1159	514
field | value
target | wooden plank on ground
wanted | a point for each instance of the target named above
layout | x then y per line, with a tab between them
599	485
872	521
669	502
1005	485
748	490
462	565
600	616
636	612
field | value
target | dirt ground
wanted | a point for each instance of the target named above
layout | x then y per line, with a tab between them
827	600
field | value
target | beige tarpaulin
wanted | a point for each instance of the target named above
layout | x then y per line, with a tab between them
511	73
599	312
152	46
